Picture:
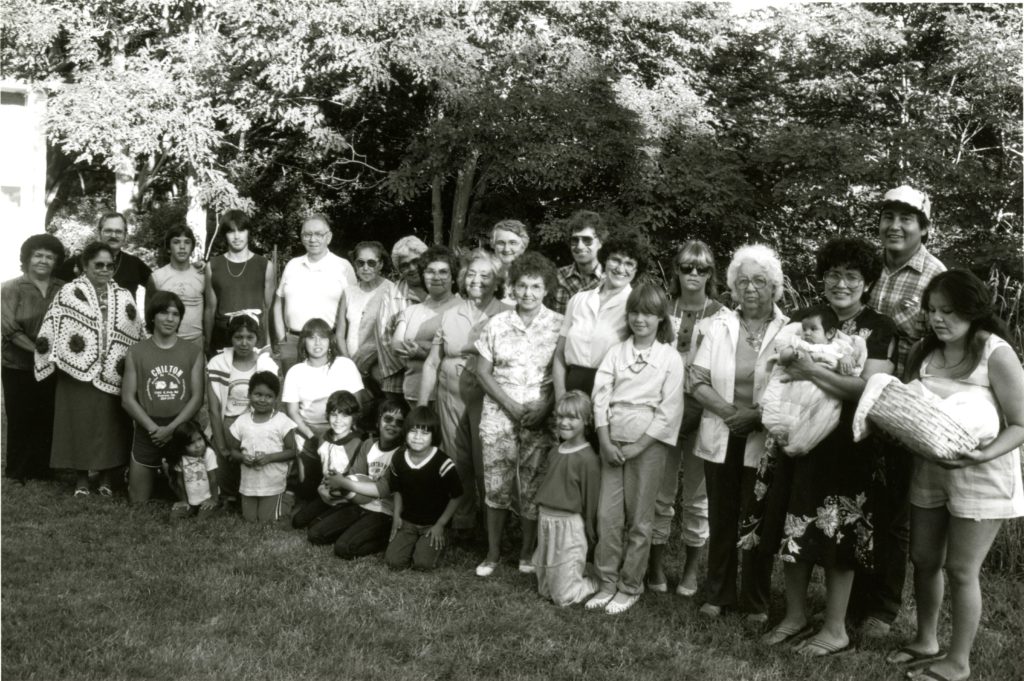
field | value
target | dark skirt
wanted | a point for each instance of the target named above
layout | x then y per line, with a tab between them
91	432
816	508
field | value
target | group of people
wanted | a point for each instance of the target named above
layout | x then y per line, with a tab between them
587	400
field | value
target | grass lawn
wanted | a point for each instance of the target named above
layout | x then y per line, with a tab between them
93	589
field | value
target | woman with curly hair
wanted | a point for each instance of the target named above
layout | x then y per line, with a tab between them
28	403
85	336
517	348
818	506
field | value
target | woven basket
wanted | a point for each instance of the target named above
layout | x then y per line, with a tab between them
919	424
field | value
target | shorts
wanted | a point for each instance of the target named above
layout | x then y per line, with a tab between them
988	491
144	452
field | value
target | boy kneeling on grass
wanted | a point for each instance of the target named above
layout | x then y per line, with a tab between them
426	490
567	501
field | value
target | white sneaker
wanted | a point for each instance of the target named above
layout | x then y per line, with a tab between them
526	567
486	569
600	600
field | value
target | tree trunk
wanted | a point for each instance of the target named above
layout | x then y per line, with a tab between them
195	216
436	210
463	193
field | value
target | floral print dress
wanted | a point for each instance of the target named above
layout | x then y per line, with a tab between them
818	508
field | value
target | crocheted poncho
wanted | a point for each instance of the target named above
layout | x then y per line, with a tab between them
75	339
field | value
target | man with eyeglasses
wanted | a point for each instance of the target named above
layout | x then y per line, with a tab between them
129	271
907	268
310	288
587	232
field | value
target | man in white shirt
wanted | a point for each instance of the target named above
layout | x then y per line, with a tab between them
310	288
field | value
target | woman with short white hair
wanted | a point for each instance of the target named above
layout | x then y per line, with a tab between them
730	371
409	291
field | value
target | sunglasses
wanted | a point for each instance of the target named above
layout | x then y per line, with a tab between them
392	420
581	240
367	263
102	266
692	268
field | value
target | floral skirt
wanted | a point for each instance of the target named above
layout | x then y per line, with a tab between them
816	508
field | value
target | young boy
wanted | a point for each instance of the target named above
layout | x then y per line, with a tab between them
426	490
181	277
567	504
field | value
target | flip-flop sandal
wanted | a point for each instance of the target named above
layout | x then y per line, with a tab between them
829	649
81	492
781	635
928	675
912	657
105	491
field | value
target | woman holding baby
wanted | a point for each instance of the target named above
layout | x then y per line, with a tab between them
813	509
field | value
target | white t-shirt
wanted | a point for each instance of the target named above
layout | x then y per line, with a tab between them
309	387
269	479
311	290
195	470
377	463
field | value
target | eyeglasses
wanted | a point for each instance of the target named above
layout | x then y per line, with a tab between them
367	263
103	266
849	278
692	268
759	283
392	420
581	240
627	265
314	236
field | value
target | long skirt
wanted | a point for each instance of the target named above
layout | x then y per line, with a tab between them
91	432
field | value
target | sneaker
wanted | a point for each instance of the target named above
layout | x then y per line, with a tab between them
600	600
709	610
621	603
486	568
658	588
526	567
757	618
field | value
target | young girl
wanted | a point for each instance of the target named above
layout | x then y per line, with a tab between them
362	527
196	467
426	490
263	441
320	372
638	410
227	389
958	507
567	502
328	459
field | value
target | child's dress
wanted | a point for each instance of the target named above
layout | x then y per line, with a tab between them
269	479
567	502
195	470
799	414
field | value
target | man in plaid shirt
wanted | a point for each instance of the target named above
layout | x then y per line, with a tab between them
903	226
587	232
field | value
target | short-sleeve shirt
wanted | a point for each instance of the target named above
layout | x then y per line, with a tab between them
311	290
571	281
310	386
521	355
421	323
591	328
271	478
163	376
23	308
195	470
189	285
461	326
426	487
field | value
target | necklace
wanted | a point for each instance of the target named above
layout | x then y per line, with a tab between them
227	266
754	338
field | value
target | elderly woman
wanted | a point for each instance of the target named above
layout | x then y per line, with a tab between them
815	509
595	319
451	367
691	290
414	334
517	350
28	403
85	336
728	374
409	291
360	306
237	282
509	240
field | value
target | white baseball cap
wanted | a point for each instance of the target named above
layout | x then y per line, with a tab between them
909	196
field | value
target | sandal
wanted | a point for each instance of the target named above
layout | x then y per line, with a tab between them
81	492
907	656
105	491
816	647
786	634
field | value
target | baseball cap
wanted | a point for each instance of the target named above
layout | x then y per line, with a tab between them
911	197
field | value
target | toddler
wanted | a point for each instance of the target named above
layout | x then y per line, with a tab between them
196	468
426	490
263	441
567	502
799	414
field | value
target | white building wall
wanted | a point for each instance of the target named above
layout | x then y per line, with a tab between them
22	170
